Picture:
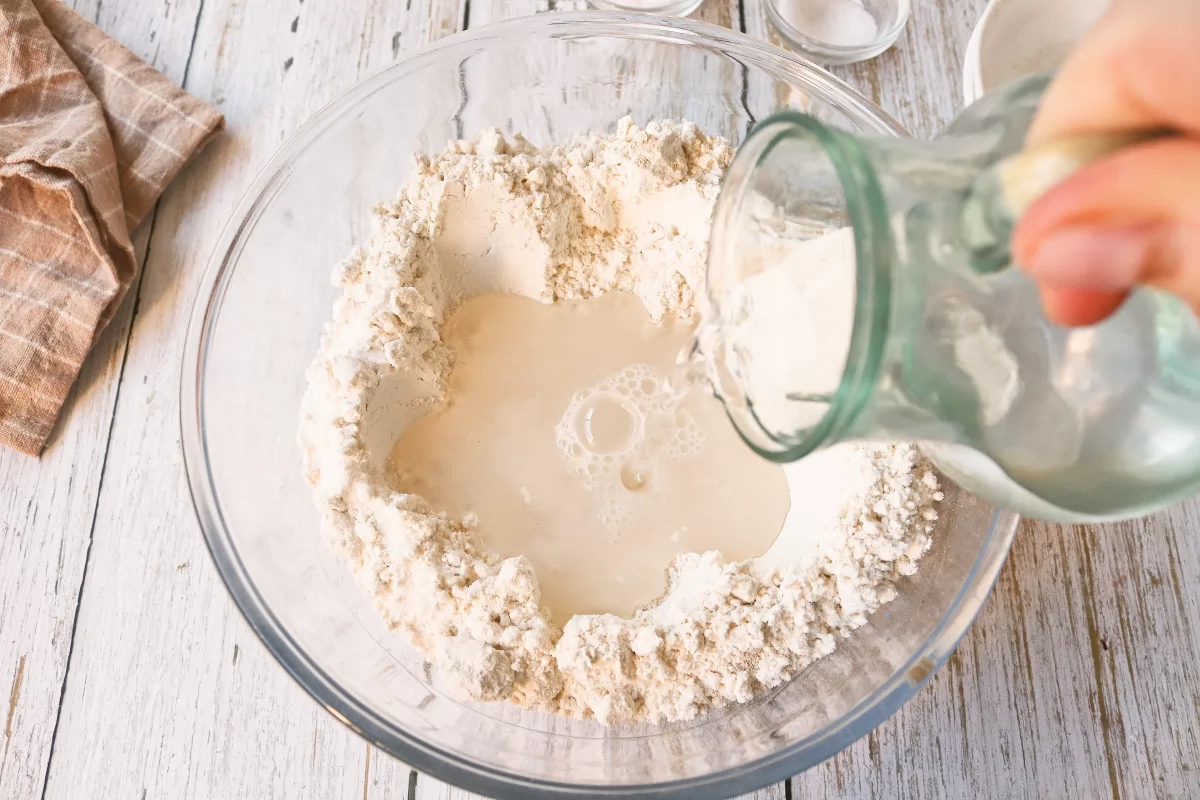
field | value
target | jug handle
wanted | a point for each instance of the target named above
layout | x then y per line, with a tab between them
1031	173
1006	191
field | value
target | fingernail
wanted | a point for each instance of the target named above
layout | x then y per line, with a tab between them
1092	257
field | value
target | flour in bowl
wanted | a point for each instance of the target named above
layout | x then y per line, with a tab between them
608	216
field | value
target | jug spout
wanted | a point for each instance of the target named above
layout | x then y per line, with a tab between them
862	289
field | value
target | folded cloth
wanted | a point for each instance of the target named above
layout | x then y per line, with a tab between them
90	135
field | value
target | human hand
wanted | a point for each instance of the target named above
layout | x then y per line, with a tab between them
1133	217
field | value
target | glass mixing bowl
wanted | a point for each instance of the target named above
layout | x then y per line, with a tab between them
256	326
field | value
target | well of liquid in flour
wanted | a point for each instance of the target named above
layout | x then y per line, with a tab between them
558	434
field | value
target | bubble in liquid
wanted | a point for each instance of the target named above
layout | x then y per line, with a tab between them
606	423
635	416
636	477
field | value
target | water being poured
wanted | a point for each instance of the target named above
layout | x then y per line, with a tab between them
864	289
688	374
773	345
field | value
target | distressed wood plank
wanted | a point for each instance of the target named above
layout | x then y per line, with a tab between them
1078	679
47	508
47	505
386	778
918	81
169	694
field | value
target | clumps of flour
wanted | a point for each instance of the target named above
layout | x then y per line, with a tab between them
623	211
727	631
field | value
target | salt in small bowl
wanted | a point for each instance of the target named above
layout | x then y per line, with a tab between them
839	31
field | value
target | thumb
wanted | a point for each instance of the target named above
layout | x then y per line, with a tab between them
1132	218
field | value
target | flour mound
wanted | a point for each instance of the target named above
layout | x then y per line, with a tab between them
624	211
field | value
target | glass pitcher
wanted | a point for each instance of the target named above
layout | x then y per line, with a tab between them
862	289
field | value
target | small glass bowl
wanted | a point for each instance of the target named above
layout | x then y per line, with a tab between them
669	8
890	18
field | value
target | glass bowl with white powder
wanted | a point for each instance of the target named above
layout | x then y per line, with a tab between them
839	31
259	321
672	7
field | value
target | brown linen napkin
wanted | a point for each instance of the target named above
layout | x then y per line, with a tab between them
90	135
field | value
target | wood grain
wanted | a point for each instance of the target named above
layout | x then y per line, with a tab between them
169	694
48	505
1081	677
47	508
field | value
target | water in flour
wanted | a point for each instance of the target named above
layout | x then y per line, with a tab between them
555	434
621	212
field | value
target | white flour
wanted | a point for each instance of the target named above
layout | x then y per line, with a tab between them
624	211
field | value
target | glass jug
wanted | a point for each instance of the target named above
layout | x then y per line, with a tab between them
862	289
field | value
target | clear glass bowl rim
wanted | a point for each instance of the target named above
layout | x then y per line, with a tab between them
447	766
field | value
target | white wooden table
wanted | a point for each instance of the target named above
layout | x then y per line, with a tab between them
126	671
